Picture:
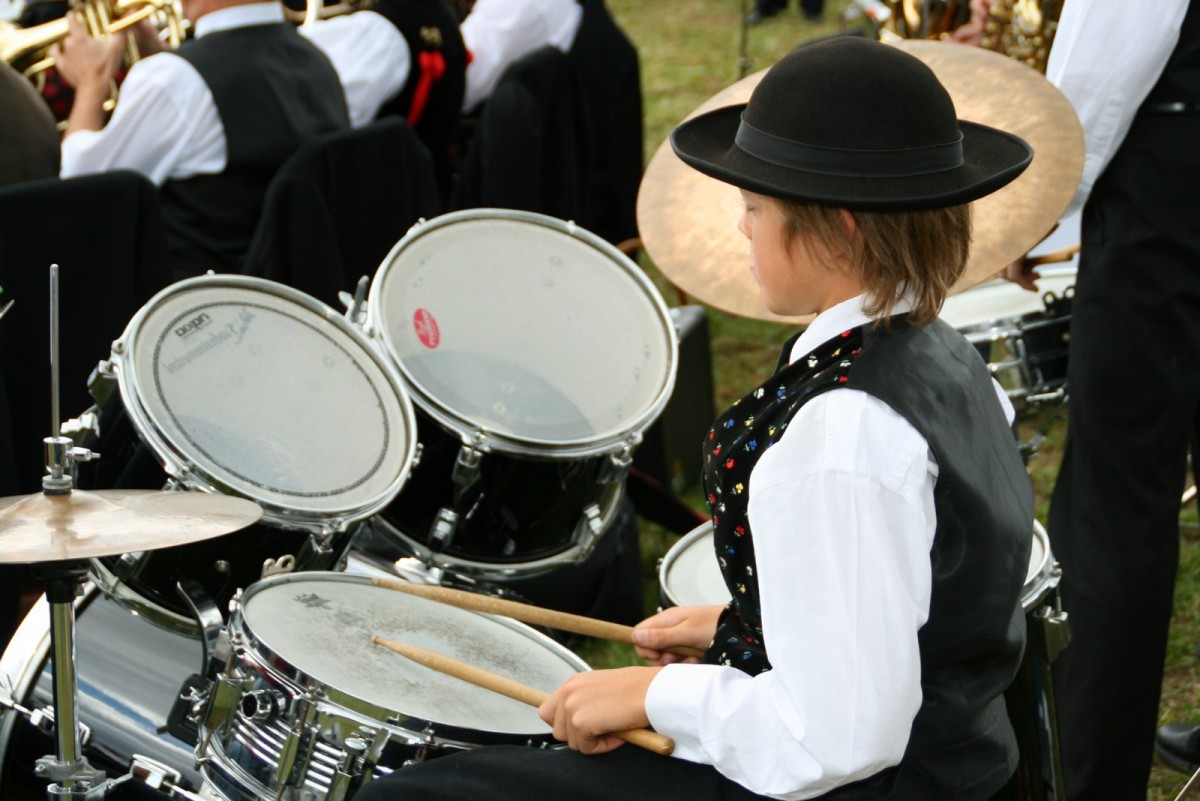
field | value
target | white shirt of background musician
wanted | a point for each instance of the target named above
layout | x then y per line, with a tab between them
1106	60
499	32
370	55
843	519
165	124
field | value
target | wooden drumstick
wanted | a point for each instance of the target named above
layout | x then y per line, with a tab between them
1052	258
644	738
526	613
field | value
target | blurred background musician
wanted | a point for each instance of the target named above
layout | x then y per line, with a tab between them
500	32
403	58
209	124
28	139
1134	374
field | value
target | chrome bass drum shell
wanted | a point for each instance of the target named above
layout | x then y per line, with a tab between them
536	354
246	387
310	708
130	677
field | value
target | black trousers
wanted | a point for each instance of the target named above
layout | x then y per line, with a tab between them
1134	379
514	773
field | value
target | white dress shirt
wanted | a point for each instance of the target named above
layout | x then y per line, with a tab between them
842	514
498	32
370	55
1106	60
165	124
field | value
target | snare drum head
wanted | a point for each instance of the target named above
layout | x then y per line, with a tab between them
690	574
263	392
1004	300
322	624
1039	578
525	327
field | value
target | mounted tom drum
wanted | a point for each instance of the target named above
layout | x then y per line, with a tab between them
536	355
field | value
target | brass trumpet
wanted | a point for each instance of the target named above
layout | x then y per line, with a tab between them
27	49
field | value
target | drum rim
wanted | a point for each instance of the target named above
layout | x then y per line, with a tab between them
1045	579
1004	325
271	662
672	556
181	466
488	439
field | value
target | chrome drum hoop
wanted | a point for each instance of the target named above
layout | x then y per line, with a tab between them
564	253
302	313
279	724
688	573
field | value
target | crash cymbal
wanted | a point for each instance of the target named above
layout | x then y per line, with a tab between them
688	221
82	525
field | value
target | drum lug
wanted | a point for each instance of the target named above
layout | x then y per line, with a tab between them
617	466
591	527
275	567
441	532
299	744
347	774
1055	630
470	457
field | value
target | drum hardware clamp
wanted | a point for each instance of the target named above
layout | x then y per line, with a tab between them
348	769
469	459
441	532
356	313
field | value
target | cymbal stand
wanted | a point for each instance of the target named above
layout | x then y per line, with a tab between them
71	777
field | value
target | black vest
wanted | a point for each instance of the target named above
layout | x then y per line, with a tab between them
274	91
961	745
1180	78
431	29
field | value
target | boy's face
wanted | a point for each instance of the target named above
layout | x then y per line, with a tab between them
794	281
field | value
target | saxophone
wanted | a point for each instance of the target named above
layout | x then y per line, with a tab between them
1023	29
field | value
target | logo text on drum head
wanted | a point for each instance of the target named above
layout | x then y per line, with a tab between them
426	327
195	324
313	601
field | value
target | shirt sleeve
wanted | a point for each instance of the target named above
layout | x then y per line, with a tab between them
841	512
1106	61
498	32
165	125
370	55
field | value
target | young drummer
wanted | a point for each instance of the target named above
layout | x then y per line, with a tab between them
872	517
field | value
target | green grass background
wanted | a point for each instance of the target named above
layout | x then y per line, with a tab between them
690	50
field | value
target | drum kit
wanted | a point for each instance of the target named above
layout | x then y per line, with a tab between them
477	403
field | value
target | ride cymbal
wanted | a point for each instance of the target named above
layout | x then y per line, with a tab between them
83	525
688	221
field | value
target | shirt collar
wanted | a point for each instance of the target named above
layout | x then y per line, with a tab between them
239	17
836	319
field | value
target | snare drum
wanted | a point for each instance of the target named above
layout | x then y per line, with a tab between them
246	387
536	354
310	708
689	575
1022	335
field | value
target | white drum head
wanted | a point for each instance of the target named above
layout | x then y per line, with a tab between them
526	328
322	624
690	575
1003	300
1039	579
255	389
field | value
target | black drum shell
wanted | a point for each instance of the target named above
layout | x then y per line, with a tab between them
517	509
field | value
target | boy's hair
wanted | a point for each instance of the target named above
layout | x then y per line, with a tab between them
918	253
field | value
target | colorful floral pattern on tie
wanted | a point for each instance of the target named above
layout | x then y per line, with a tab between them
737	440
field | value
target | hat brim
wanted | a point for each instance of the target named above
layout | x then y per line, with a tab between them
991	159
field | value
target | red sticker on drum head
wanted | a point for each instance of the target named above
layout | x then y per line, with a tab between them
427	328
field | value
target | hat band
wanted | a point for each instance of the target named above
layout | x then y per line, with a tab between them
862	163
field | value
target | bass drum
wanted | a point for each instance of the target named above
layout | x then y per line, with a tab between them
536	355
246	387
130	675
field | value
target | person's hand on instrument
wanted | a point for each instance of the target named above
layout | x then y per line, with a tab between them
147	39
589	706
971	31
86	63
692	626
1021	272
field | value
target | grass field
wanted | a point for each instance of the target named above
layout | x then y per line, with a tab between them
690	50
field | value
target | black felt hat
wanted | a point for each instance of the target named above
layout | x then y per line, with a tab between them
854	123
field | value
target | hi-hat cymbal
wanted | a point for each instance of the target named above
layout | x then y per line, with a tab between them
688	221
83	525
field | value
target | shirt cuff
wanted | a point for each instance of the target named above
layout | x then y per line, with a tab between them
673	703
